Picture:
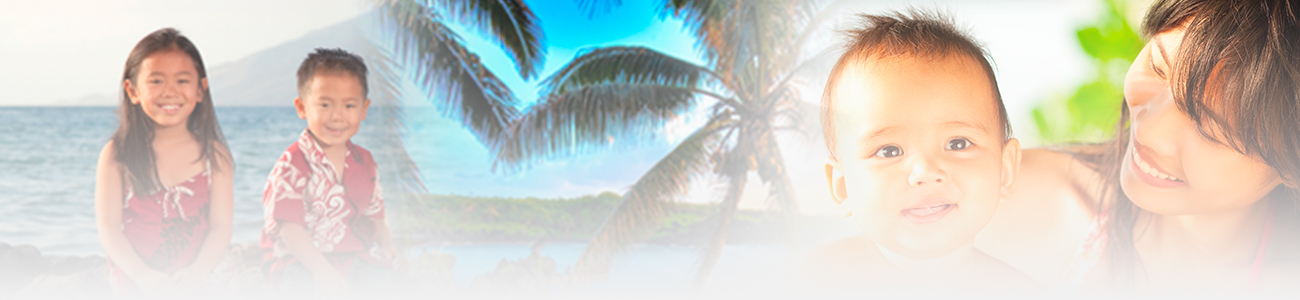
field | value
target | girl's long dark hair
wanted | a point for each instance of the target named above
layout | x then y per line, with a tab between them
133	141
1241	79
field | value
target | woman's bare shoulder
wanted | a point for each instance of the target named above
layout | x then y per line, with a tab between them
1039	227
1049	175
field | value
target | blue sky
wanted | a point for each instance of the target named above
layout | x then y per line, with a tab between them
569	30
453	162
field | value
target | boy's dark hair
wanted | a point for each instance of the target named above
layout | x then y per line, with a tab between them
332	61
915	33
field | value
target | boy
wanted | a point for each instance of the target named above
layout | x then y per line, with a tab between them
323	204
921	153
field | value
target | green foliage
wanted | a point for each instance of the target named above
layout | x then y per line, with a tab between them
1091	112
494	219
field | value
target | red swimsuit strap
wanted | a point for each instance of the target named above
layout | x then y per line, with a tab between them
1257	269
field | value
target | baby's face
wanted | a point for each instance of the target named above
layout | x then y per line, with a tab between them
920	160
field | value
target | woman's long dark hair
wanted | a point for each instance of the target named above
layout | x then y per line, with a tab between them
1241	79
133	141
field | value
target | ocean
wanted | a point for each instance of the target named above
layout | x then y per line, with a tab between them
47	167
48	157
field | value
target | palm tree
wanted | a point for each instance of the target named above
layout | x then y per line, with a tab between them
450	74
753	55
415	37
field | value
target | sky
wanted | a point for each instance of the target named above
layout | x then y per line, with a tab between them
62	50
59	51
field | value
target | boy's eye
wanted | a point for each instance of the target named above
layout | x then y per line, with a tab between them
889	151
351	106
155	81
957	144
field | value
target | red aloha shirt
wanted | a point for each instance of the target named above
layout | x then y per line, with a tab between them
340	217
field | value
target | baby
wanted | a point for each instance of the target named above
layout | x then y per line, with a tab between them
921	154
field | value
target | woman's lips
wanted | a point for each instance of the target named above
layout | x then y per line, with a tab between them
1152	174
928	213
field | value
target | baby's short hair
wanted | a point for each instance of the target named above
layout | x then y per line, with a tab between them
915	33
333	61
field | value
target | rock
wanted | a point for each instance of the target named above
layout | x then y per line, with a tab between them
84	284
68	265
20	265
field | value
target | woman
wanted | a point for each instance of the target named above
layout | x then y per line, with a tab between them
1197	191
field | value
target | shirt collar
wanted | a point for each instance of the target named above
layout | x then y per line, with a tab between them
315	155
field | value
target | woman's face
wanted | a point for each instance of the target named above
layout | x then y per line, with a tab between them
1170	167
167	87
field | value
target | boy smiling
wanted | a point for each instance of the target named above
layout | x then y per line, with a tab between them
323	204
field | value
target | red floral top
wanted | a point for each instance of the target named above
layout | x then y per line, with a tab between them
166	228
340	217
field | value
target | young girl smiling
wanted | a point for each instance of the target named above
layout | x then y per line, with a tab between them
163	185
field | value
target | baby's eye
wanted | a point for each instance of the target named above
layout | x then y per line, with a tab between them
889	151
957	144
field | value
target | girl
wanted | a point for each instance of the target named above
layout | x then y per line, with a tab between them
1198	190
163	193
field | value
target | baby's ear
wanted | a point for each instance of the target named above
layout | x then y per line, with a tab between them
1010	166
835	180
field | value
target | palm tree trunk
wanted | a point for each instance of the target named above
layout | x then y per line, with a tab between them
713	248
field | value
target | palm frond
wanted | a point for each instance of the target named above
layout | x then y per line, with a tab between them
511	23
398	172
742	39
593	116
596	7
619	64
386	81
462	86
624	93
644	203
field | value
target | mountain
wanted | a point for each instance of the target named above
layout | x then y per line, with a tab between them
268	77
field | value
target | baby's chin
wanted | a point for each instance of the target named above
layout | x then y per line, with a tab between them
931	244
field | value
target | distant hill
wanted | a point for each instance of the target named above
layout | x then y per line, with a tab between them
268	77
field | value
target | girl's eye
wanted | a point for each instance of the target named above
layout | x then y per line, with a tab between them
183	81
155	81
889	151
957	144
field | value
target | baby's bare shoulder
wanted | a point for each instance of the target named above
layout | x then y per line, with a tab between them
834	255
